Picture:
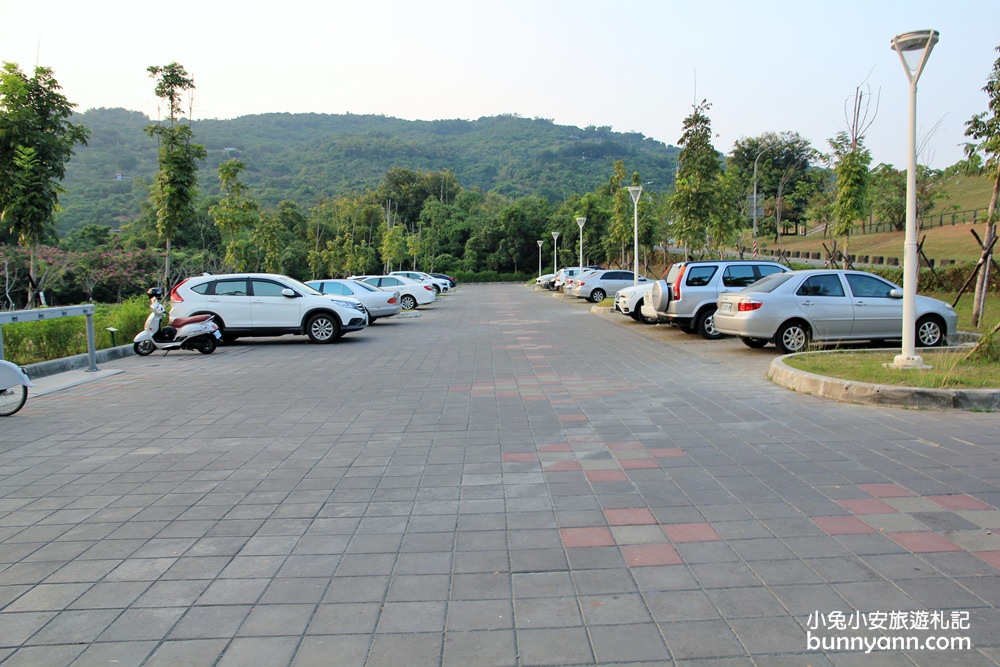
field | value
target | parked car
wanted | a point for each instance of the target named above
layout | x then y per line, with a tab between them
378	303
451	281
544	280
597	285
795	308
687	296
412	293
628	301
439	284
564	274
267	304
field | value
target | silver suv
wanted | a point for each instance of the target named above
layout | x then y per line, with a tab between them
686	297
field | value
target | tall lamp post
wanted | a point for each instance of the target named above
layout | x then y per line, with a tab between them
581	221
555	249
756	160
636	192
540	244
914	48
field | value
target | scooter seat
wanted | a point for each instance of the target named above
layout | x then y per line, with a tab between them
181	321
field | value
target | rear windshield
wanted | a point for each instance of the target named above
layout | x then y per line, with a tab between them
768	283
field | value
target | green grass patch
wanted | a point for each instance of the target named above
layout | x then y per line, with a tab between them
950	368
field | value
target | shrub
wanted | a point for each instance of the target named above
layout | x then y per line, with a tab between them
42	340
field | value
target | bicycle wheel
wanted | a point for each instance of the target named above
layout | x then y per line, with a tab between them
12	400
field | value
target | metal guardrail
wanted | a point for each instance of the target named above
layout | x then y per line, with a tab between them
12	316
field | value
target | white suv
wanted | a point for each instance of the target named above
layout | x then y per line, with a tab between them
686	297
266	304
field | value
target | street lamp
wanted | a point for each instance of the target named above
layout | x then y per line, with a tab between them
581	221
755	199
914	48
555	249
636	192
540	243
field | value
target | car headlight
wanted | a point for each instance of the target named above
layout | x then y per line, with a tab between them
348	304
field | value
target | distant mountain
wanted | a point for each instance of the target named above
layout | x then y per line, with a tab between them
308	157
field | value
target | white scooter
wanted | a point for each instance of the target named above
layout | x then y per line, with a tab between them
14	385
197	332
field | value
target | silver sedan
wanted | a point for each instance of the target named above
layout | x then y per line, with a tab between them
379	303
823	305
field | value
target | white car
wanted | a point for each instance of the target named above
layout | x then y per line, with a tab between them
544	280
378	303
439	284
266	304
596	285
412	293
629	300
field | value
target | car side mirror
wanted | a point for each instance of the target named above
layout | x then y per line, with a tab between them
895	293
289	292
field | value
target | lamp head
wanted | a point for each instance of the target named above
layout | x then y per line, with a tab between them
581	221
636	192
914	48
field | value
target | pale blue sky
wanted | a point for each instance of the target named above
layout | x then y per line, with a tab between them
765	66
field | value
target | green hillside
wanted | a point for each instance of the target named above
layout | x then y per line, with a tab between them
307	157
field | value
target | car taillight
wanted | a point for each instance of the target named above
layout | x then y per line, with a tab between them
748	305
676	296
391	300
428	288
581	283
175	296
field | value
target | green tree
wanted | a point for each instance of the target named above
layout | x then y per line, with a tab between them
697	188
237	211
984	130
175	190
36	143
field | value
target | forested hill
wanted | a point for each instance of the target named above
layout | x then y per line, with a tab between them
307	157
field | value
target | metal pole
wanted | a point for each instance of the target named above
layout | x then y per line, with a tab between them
913	43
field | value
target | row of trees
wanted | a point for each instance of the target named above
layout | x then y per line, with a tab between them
773	184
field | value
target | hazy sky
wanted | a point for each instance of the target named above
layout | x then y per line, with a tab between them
765	66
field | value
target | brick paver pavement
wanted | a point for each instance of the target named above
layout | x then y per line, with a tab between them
507	479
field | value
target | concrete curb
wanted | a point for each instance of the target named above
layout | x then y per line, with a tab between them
878	394
46	368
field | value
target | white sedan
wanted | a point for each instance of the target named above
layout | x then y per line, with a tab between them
412	293
795	308
379	303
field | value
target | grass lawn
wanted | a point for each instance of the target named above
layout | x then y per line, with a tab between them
949	369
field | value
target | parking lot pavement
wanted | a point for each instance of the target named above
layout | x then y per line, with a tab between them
508	479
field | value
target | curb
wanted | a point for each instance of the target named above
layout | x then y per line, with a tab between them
46	368
848	391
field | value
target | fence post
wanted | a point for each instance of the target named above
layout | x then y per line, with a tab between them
91	345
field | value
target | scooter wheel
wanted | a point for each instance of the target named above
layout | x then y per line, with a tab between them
143	347
207	345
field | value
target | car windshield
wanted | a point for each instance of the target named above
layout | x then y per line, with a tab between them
768	283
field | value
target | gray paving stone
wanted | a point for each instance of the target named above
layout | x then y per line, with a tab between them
286	527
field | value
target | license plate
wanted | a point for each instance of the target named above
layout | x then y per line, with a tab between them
726	307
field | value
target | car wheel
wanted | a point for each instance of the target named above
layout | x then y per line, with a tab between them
930	332
598	295
706	325
755	343
323	328
407	302
792	337
143	347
